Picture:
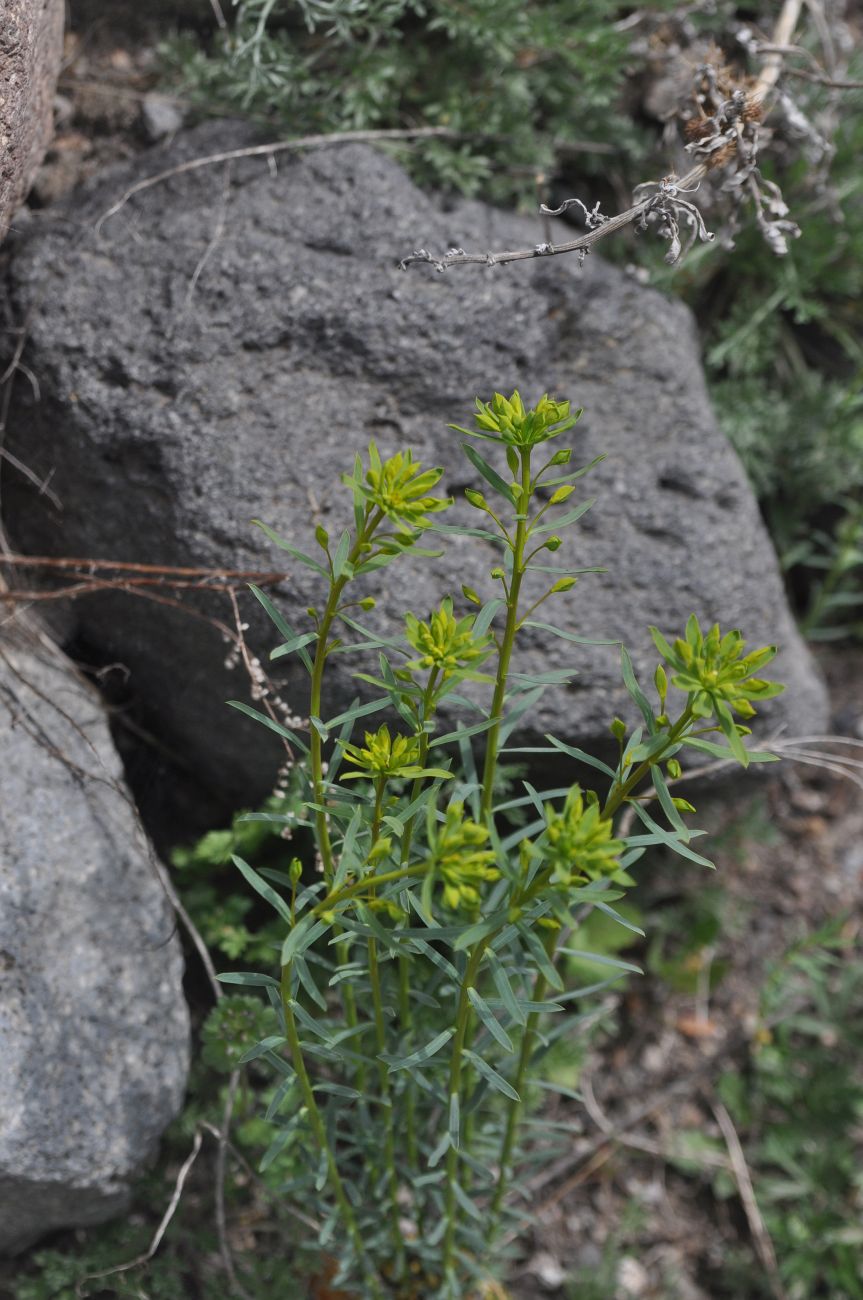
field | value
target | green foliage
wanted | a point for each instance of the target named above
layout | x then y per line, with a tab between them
514	80
785	364
422	976
798	1105
223	914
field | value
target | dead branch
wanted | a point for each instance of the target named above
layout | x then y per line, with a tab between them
156	1241
663	204
270	150
740	1169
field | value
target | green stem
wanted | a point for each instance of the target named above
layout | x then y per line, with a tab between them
462	1022
515	1108
505	652
405	1013
320	1133
316	759
389	1152
619	793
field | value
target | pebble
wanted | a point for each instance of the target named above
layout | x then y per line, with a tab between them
160	117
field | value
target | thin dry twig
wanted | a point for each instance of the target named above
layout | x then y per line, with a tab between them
269	150
221	1218
156	1241
740	1170
214	240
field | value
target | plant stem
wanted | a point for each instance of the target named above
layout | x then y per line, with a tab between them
515	1108
405	1013
320	1132
620	793
337	586
389	1152
522	532
462	1022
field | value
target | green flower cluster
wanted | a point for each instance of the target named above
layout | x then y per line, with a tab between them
399	487
580	843
387	758
520	427
447	644
459	860
715	672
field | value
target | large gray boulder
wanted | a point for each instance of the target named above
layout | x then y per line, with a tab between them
93	1025
229	341
31	47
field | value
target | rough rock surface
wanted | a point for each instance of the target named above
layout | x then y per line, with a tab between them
233	338
31	46
93	1025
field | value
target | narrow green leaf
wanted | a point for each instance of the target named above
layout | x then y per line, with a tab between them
280	622
490	475
461	734
490	1021
340	559
484	618
265	1045
294	645
568	636
248	978
421	1055
261	887
357	711
454	1120
292	550
491	1076
564	521
541	957
664	795
305	976
635	690
504	988
466	1203
304	933
277	727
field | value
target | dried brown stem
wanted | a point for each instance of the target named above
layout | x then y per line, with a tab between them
270	150
740	1169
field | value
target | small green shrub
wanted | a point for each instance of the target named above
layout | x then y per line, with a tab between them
515	80
798	1105
422	976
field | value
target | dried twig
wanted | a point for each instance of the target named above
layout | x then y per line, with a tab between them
270	150
760	1235
156	1241
221	1220
214	240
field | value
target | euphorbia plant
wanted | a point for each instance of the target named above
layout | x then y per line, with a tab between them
420	979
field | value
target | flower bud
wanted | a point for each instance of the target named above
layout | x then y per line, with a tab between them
561	457
673	769
367	603
563	584
295	870
470	594
561	494
618	729
497	574
553	543
322	537
683	805
476	499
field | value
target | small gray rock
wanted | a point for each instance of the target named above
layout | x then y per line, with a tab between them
160	117
94	1030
